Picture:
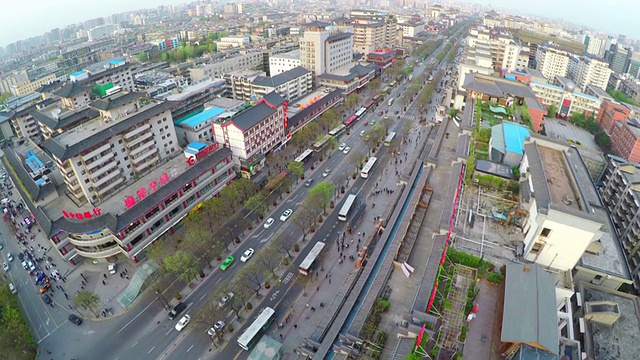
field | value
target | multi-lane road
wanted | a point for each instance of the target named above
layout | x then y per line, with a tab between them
146	332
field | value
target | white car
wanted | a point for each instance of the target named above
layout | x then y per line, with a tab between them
112	269
342	146
5	266
219	325
183	322
326	172
10	257
247	255
286	214
268	223
346	150
225	299
362	133
12	288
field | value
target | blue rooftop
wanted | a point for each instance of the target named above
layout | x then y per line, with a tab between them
116	62
548	86
514	136
586	96
203	116
78	73
197	145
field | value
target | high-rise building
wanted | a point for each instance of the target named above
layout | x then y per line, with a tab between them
372	30
594	45
102	32
552	60
619	57
324	49
588	69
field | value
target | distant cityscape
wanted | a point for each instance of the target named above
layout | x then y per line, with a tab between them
216	161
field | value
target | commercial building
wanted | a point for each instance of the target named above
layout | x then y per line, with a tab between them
280	63
411	29
29	87
114	73
349	79
312	109
198	127
372	30
383	58
588	69
552	60
229	42
324	51
193	97
619	57
251	134
565	216
291	85
250	61
126	180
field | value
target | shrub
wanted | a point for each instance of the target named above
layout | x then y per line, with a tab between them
249	306
495	277
230	328
463	334
296	247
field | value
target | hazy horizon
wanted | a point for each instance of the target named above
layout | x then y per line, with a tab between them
22	20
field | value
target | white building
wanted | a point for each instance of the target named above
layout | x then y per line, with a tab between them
552	60
249	61
200	126
103	32
564	217
322	51
234	41
373	30
280	63
595	45
588	69
291	84
252	133
565	97
411	29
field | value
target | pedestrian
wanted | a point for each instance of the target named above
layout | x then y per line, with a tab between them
127	277
318	288
70	308
307	304
104	283
82	287
295	326
49	352
329	281
280	335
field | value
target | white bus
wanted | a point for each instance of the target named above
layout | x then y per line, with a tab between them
346	208
307	263
390	102
304	156
254	332
361	111
368	168
389	139
338	131
320	144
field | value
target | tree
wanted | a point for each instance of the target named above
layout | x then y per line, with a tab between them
141	56
353	99
270	258
328	120
244	187
87	300
257	204
183	265
230	197
552	110
406	127
386	122
356	158
252	273
304	218
296	168
285	242
200	241
320	195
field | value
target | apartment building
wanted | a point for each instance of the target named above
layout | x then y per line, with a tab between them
552	60
193	97
619	57
280	63
291	85
250	61
199	127
324	51
587	69
103	32
349	79
564	218
251	134
372	30
611	113
594	45
411	29
29	87
116	72
625	139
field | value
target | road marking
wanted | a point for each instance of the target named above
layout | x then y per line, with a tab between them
203	296
218	280
168	332
275	295
287	278
257	235
140	313
266	238
136	343
189	349
150	350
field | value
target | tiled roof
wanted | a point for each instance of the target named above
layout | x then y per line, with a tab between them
252	116
114	101
281	78
61	123
71	89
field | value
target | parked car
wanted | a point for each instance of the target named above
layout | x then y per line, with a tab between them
183	322
13	288
225	299
21	256
10	257
286	214
268	223
112	269
5	266
177	310
326	172
226	263
219	325
362	133
46	299
75	319
346	150
342	146
308	183
247	255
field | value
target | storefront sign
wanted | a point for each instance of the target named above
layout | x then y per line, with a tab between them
82	215
142	193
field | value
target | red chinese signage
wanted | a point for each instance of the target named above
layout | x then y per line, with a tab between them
82	215
142	193
192	160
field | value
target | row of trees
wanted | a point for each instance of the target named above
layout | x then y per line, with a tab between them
185	51
16	341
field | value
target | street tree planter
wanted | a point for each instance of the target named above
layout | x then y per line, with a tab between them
249	306
178	296
275	203
353	176
250	227
312	167
296	247
201	275
219	258
236	240
331	205
320	219
342	189
267	285
313	229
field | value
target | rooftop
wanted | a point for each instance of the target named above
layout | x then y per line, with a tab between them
548	86
496	86
201	117
281	78
196	89
557	176
294	55
620	341
55	117
71	89
529	286
610	258
565	131
116	100
514	136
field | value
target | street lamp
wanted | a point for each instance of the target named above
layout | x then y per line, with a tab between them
162	300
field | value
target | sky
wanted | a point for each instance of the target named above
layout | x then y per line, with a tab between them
23	19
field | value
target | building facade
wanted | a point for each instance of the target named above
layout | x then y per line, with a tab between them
552	61
625	139
588	69
323	51
217	70
372	30
611	113
280	63
291	85
193	97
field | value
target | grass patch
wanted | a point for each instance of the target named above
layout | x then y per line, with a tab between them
482	147
495	277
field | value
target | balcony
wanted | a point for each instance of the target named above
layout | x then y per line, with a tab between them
136	131
137	140
96	152
102	191
150	161
102	253
94	240
106	178
108	166
141	158
103	161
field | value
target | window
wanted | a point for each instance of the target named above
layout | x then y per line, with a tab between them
536	247
545	232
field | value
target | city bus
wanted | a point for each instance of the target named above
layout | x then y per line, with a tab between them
304	156
307	263
390	102
389	139
343	215
320	144
338	131
350	121
254	332
370	104
361	111
368	167
386	89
